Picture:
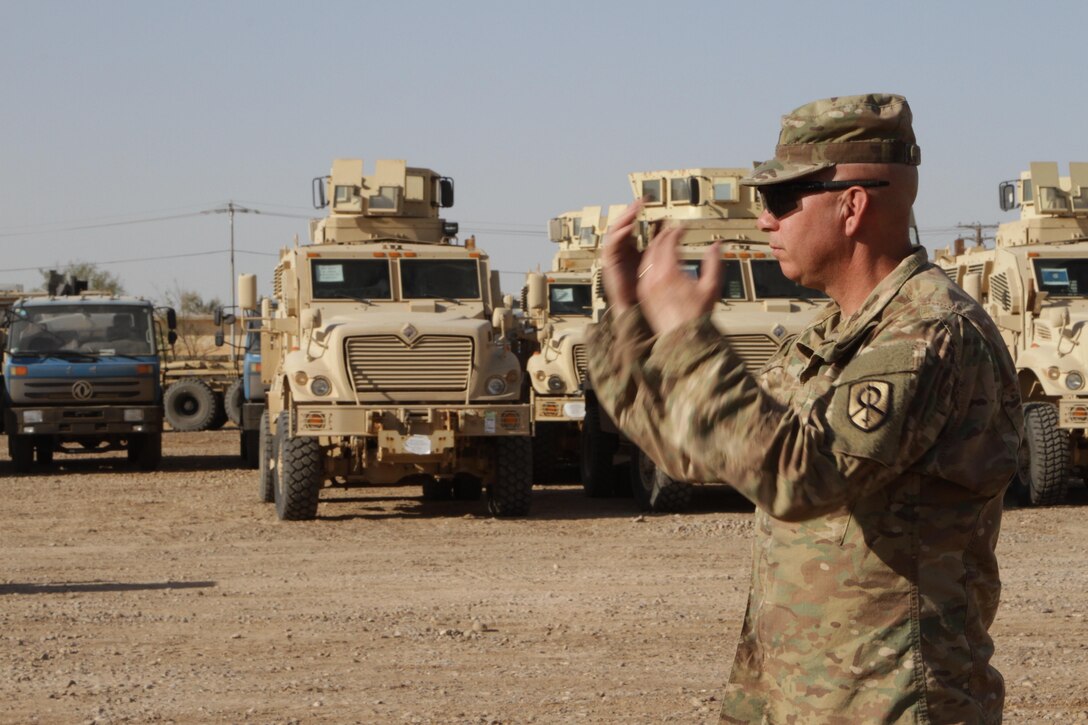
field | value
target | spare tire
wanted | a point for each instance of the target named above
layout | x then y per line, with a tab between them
232	401
190	405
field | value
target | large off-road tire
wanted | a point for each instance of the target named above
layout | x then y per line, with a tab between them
598	448
190	405
21	450
510	492
232	402
299	475
655	491
1045	457
220	418
145	450
266	468
546	452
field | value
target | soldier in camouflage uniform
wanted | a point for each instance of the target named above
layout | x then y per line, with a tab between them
876	445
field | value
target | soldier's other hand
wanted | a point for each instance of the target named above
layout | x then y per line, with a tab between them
620	260
667	296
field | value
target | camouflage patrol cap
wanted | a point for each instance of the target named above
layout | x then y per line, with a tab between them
874	128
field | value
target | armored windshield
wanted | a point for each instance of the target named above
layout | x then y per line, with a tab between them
1062	277
770	283
86	328
732	282
439	279
569	299
353	279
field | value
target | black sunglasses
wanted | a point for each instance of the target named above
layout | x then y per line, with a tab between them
781	199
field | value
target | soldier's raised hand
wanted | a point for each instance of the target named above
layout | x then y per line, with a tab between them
653	278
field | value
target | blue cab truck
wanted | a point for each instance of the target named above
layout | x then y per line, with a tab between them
82	375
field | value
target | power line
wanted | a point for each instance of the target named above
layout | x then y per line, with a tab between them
93	223
102	225
126	261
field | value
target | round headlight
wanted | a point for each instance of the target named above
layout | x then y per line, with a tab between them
555	384
1053	372
496	386
1074	381
301	377
320	386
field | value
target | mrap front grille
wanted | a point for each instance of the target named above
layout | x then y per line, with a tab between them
379	363
754	350
580	362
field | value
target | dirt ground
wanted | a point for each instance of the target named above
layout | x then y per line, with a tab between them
177	597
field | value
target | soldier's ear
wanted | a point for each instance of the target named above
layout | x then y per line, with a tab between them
854	205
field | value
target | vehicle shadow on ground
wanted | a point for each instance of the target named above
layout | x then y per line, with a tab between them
114	463
70	587
552	502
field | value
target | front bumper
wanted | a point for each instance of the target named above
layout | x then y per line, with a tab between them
1073	413
559	408
91	420
412	429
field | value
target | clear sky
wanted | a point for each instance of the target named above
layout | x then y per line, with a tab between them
120	112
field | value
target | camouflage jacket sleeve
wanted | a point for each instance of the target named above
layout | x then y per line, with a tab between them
686	399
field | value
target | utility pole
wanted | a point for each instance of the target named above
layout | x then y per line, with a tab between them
978	227
230	209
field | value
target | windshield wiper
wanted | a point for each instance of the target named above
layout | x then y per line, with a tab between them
345	296
63	354
129	356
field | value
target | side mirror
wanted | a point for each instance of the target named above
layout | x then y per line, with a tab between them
555	229
171	320
1007	195
172	337
219	338
694	191
318	192
445	192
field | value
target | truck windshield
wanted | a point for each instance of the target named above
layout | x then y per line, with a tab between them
351	279
85	328
439	279
1062	277
772	284
732	283
569	299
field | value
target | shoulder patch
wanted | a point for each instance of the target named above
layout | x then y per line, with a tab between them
869	404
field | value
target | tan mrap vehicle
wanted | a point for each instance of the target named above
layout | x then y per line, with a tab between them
557	305
388	357
759	308
1034	283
